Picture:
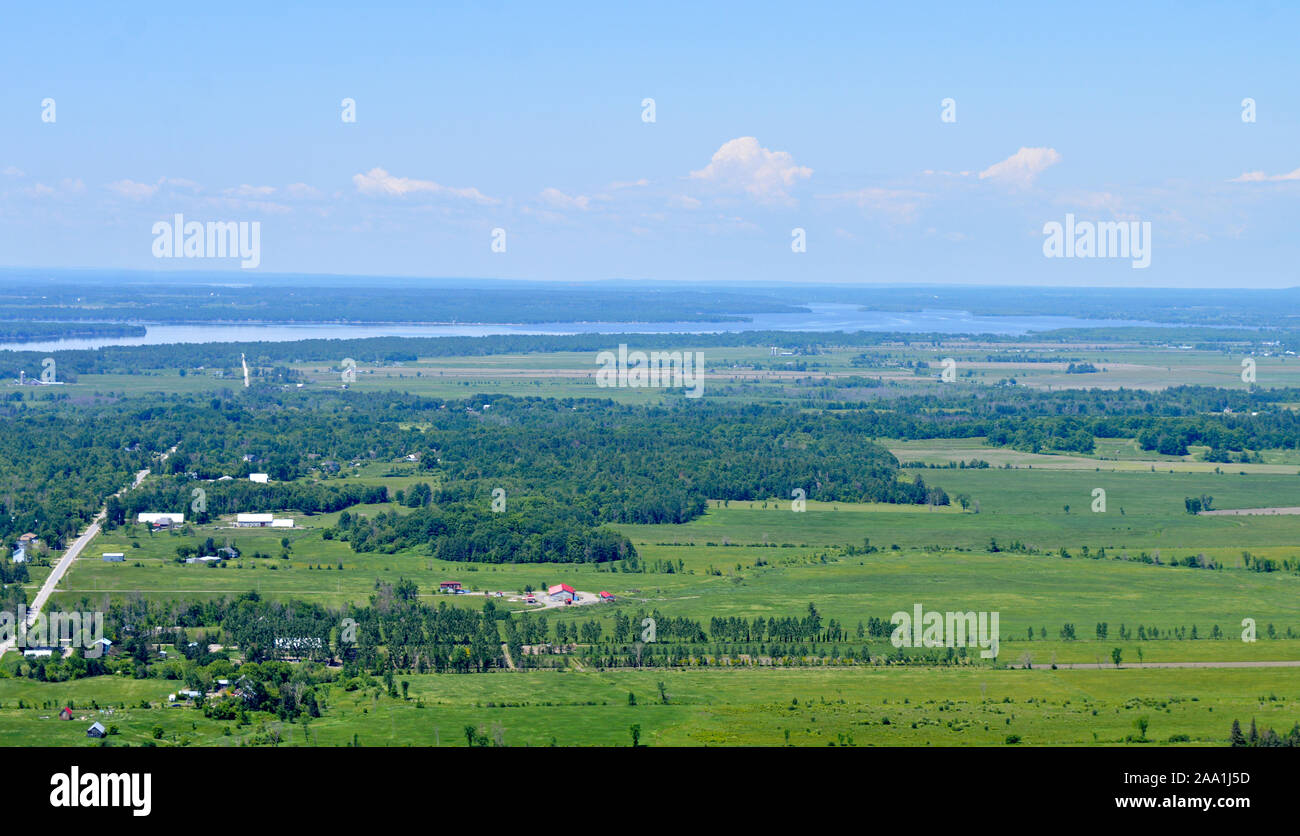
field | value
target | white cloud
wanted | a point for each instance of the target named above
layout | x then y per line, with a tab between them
301	190
742	164
376	181
246	190
629	184
67	186
559	199
1261	177
12	171
901	204
132	190
1022	167
683	201
1117	206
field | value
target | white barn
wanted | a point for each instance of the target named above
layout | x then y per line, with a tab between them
253	520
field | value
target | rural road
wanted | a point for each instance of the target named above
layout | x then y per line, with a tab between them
1142	666
70	556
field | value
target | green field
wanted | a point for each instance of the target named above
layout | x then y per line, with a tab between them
1021	538
706	707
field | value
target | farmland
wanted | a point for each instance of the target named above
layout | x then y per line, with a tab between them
1076	551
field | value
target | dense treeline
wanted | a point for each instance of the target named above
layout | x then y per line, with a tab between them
57	468
362	301
238	497
27	331
537	530
586	462
609	462
1232	307
263	355
1166	421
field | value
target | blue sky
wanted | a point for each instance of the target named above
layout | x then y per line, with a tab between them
768	117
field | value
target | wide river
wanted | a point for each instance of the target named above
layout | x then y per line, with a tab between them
822	317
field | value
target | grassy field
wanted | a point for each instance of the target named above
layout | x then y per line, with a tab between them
705	707
751	373
751	559
747	560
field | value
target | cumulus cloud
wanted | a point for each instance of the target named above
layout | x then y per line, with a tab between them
560	200
1261	177
378	182
1022	167
742	164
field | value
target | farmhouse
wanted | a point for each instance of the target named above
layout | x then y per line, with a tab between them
96	730
65	714
19	555
450	586
158	521
561	592
606	596
282	522
29	537
114	557
259	478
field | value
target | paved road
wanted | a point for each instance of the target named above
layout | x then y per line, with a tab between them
1093	666
70	556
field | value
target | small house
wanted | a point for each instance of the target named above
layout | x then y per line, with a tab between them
114	557
450	586
605	596
561	592
259	478
19	555
282	522
65	714
96	730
